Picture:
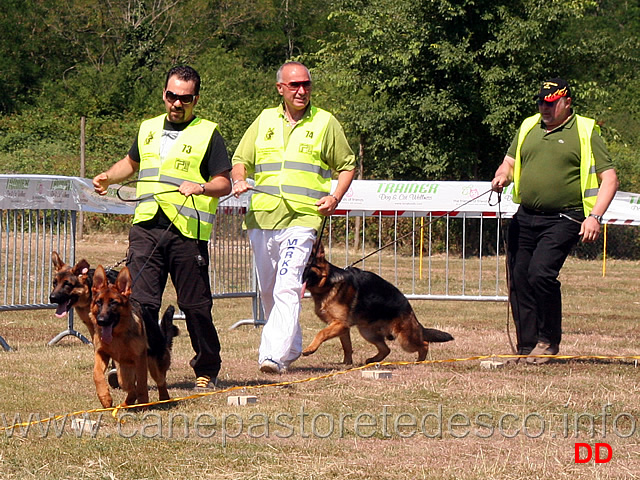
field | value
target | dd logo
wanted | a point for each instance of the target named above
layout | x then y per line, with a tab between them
594	452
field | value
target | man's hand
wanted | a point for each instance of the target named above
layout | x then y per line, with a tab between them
327	205
499	182
590	230
239	187
503	175
101	183
190	188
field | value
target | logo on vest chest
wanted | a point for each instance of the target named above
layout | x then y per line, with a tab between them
182	165
269	134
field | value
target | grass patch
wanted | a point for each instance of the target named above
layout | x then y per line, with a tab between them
450	420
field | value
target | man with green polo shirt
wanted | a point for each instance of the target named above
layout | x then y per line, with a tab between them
183	168
290	151
564	181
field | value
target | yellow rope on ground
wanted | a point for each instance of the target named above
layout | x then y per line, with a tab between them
114	410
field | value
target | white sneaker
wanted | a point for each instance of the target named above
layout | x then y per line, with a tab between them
269	366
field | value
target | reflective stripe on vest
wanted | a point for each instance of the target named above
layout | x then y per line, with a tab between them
298	173
589	185
193	215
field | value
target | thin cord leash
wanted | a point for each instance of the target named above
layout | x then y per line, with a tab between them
153	195
421	227
143	197
155	247
563	215
314	250
506	264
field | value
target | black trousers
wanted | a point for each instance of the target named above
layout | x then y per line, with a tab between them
186	261
538	245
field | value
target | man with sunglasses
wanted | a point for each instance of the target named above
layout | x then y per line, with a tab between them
183	168
290	151
564	181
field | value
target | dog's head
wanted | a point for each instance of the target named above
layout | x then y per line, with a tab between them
110	301
70	286
317	269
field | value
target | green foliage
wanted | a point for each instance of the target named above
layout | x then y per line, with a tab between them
232	96
428	89
442	78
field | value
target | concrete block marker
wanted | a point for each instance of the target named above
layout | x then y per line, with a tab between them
241	399
377	374
81	425
490	364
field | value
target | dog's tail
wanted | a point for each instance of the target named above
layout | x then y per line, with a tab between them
434	335
169	330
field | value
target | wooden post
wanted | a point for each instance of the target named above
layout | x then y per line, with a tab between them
82	171
358	221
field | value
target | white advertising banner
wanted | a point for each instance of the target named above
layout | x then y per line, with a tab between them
388	197
369	197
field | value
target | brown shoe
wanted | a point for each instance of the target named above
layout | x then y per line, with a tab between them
543	348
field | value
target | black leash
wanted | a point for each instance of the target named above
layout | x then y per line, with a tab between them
507	270
144	197
164	232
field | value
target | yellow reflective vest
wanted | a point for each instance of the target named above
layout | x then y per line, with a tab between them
588	179
296	173
193	215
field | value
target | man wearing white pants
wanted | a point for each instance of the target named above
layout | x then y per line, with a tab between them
290	151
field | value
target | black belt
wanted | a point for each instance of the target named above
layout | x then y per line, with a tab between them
533	211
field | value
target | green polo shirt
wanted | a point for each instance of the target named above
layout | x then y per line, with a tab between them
550	174
336	153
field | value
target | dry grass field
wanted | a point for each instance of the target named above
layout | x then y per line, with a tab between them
438	420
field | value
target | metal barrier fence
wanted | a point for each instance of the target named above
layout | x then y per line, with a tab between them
38	214
427	256
431	246
27	238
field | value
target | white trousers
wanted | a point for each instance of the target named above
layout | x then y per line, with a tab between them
281	256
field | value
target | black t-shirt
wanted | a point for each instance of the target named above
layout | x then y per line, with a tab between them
215	161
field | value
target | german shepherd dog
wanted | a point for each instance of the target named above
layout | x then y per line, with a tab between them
136	343
71	288
352	297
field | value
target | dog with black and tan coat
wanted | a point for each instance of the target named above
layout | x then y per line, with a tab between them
137	344
350	297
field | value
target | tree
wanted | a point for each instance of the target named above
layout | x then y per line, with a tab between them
441	86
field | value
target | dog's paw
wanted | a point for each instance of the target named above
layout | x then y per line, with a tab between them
307	352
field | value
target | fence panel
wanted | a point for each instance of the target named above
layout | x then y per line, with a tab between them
27	238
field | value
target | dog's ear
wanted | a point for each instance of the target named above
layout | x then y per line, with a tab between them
99	278
57	261
81	268
123	282
320	252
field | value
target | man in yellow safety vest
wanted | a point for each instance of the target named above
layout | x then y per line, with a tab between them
290	151
564	181
170	231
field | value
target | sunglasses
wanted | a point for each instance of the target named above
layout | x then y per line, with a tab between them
184	99
295	86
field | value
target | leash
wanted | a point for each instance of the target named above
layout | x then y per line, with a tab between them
164	232
564	215
420	228
316	244
506	270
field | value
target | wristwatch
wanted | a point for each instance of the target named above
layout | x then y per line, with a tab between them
597	217
203	189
